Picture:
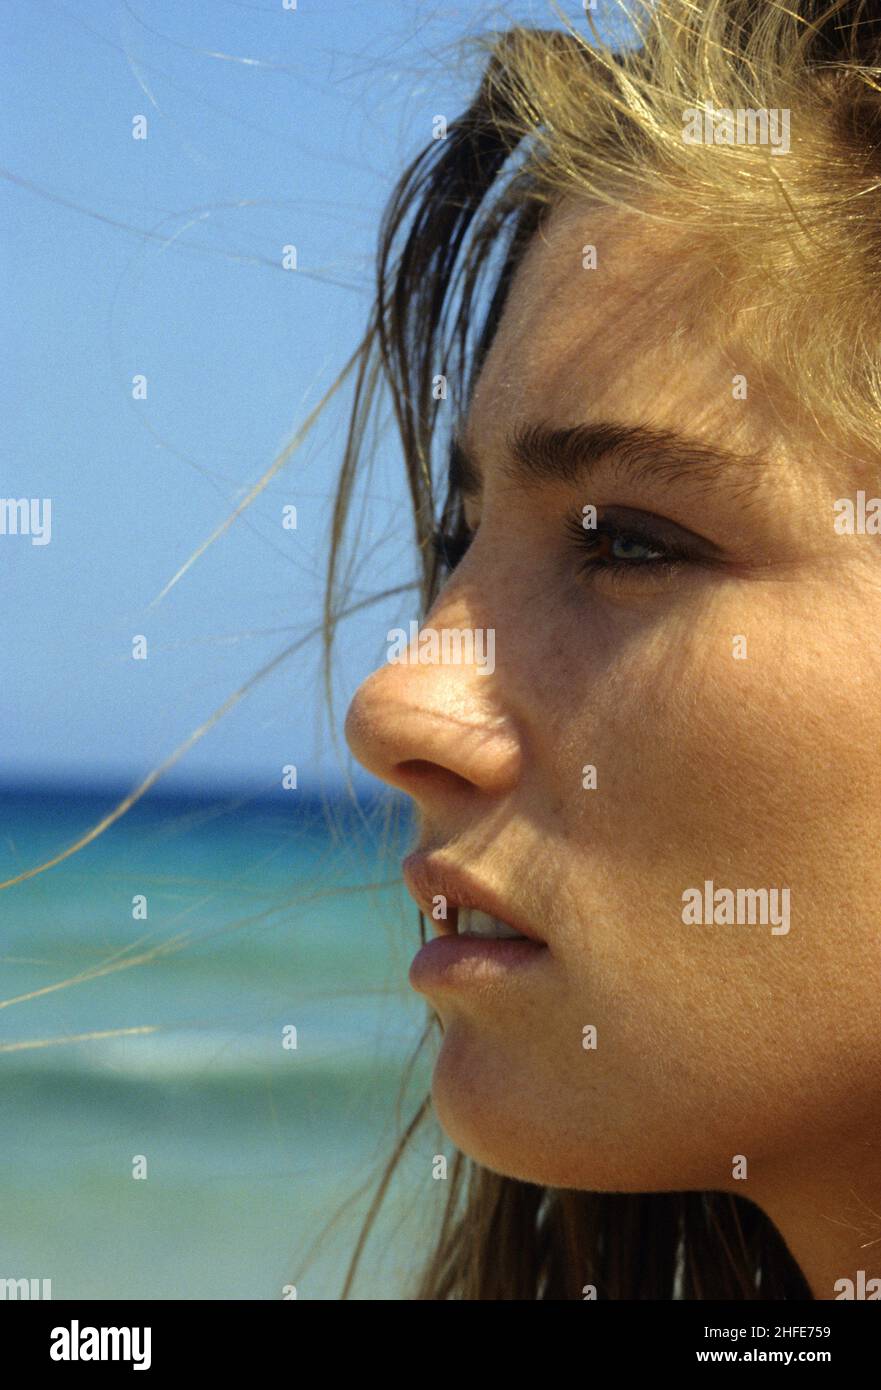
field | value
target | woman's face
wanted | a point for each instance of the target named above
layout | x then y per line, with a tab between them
713	649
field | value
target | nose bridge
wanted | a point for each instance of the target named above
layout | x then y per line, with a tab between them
437	703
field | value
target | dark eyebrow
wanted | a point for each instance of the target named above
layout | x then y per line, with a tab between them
538	453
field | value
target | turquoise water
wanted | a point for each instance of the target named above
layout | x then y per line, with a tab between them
259	920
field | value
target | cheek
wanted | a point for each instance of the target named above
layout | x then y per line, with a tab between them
740	741
734	733
753	767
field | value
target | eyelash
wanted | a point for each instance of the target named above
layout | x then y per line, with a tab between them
664	565
451	546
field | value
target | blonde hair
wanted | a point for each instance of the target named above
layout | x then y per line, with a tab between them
789	243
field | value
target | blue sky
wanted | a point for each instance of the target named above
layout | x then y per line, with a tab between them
162	257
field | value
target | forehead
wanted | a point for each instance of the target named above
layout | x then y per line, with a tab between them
641	338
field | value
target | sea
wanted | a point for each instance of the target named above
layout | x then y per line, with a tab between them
206	1034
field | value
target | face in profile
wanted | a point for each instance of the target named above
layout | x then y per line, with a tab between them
669	778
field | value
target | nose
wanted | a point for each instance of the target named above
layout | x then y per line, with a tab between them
437	730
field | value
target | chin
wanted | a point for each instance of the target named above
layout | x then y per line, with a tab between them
485	1105
515	1122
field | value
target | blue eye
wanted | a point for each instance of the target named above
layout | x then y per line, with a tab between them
614	547
620	545
624	545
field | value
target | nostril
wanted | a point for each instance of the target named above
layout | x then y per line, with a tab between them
415	772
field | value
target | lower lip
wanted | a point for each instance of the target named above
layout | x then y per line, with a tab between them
463	960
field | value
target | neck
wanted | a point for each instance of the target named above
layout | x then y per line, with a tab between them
828	1211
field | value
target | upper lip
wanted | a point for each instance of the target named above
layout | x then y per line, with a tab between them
428	877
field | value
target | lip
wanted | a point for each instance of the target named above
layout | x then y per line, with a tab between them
459	962
427	877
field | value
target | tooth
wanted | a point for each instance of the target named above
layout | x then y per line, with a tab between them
475	923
